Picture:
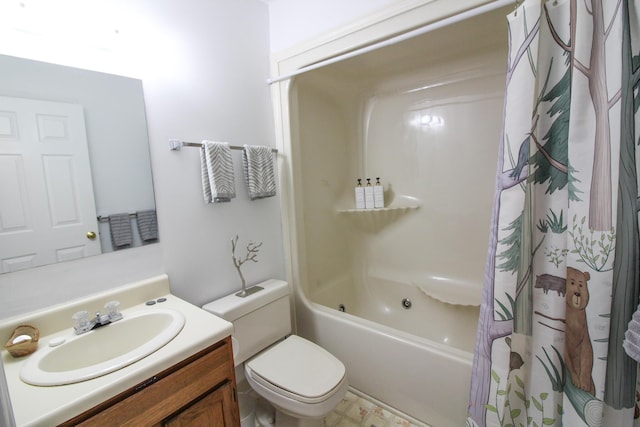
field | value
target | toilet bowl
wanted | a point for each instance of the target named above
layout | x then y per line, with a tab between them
299	378
302	381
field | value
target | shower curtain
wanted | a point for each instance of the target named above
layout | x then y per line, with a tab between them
562	281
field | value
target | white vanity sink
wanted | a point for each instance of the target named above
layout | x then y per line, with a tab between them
70	358
84	371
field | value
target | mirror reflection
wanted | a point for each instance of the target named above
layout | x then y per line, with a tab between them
75	171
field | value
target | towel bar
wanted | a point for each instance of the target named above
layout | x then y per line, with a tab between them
176	145
105	218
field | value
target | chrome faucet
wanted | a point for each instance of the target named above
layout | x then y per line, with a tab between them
82	323
99	320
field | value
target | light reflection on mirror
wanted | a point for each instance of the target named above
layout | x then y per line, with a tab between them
116	137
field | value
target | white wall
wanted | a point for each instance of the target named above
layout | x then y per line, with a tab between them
295	21
203	64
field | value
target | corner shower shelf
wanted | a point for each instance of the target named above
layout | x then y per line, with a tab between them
376	219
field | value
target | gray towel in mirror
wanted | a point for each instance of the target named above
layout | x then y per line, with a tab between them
121	234
147	225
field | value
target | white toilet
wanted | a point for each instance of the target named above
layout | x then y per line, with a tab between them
303	381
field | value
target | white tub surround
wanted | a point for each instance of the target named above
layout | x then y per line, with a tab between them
423	114
46	406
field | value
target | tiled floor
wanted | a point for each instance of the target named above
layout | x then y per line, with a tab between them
356	411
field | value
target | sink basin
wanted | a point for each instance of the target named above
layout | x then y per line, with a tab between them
101	351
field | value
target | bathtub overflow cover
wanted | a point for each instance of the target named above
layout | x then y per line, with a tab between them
406	303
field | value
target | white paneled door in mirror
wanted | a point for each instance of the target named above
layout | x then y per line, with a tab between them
47	208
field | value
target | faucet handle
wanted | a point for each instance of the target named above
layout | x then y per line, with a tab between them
81	321
112	309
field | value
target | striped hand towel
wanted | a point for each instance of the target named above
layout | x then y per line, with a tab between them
257	162
218	183
147	225
121	234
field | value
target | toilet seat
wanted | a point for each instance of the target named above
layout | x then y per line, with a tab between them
298	369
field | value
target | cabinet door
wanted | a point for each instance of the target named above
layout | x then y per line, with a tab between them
200	386
213	410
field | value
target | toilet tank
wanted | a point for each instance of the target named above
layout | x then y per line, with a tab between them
259	319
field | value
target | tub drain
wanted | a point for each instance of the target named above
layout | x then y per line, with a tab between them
406	303
342	308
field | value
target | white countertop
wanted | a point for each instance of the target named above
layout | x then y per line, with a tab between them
47	406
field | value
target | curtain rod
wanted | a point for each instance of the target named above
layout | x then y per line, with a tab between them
176	145
402	37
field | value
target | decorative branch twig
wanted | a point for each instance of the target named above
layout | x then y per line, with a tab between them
251	255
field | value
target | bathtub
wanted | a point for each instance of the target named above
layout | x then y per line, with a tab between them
417	364
394	293
402	307
420	377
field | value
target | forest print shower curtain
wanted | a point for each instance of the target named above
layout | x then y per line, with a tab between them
562	281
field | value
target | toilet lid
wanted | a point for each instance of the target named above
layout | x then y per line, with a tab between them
298	366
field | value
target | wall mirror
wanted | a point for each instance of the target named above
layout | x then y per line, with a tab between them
74	158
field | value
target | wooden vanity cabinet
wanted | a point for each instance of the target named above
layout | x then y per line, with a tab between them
199	391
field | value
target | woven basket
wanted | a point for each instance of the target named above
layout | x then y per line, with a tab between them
23	341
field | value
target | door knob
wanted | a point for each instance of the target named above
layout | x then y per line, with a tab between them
91	235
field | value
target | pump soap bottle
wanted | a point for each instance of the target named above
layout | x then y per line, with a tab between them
378	195
368	195
359	195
